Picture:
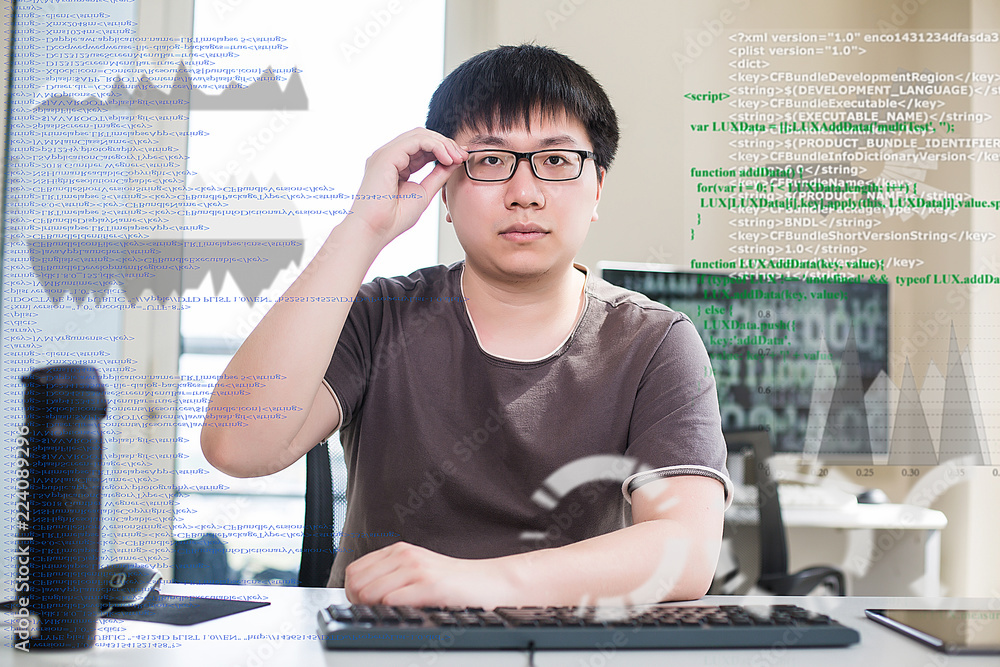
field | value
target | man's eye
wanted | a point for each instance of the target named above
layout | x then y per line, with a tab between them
492	160
555	160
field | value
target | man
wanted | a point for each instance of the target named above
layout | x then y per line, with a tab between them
482	405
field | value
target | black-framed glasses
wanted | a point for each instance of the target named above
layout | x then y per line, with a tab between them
494	166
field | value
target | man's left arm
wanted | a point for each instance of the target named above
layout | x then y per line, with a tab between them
669	553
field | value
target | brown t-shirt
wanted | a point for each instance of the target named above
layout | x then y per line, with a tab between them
476	456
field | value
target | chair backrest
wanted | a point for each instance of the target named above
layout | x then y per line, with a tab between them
754	445
773	545
774	577
318	544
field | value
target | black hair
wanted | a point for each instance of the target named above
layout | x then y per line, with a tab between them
499	89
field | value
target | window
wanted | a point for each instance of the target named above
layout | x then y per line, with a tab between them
367	70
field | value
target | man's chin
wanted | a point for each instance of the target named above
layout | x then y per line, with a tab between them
523	269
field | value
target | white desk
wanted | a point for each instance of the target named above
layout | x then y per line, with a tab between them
290	620
883	549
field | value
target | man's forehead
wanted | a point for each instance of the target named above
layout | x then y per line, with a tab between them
553	128
507	140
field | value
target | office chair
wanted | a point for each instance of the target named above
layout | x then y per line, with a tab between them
754	447
319	546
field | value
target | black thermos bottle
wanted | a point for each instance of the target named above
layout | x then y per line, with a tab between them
58	507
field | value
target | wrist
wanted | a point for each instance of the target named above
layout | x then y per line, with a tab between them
371	235
361	237
516	583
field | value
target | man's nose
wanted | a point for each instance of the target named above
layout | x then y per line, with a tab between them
522	188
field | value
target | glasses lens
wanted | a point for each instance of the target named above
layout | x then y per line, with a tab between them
557	165
490	165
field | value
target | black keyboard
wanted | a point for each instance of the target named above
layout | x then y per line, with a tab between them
639	627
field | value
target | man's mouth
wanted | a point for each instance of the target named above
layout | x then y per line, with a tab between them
523	232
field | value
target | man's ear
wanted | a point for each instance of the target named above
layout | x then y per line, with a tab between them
444	200
600	186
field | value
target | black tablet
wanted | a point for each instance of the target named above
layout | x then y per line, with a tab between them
950	631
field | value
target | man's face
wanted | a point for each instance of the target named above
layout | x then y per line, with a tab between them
524	228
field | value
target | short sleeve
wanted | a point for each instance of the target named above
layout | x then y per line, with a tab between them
676	427
350	367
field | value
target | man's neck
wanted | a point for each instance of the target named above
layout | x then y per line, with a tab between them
524	320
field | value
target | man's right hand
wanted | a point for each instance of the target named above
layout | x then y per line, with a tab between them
297	336
387	174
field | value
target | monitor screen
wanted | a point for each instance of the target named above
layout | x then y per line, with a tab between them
806	358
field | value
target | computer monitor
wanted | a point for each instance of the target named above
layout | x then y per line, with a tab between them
804	357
